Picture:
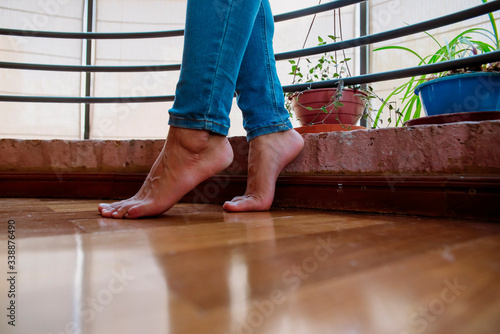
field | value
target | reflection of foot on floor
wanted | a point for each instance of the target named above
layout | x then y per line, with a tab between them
264	218
267	156
259	226
188	157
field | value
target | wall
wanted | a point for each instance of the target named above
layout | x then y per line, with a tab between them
136	120
29	120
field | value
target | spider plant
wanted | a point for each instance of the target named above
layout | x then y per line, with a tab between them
464	44
327	67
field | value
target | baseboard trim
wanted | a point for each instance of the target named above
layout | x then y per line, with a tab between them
474	197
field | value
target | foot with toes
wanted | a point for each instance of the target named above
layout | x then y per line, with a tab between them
188	157
267	156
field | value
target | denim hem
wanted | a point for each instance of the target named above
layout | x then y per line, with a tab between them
196	124
269	129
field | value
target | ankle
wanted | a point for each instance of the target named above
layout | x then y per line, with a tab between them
193	141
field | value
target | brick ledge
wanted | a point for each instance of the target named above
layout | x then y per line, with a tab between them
468	148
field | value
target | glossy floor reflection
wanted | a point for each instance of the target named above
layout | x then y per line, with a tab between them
198	269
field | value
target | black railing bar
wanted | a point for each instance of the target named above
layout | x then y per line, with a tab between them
370	39
91	35
395	33
361	79
83	68
159	34
403	73
59	99
315	9
361	41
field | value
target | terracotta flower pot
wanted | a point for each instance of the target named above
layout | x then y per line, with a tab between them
317	98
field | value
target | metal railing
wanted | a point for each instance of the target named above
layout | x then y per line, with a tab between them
359	42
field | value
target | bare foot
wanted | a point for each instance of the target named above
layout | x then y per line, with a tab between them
267	156
188	157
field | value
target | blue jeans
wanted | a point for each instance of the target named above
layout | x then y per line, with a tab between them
227	49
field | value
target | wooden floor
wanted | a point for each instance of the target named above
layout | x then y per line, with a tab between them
198	269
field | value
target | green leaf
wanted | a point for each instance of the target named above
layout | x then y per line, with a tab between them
418	109
494	27
399	48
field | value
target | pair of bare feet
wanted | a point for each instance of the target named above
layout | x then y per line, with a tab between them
191	156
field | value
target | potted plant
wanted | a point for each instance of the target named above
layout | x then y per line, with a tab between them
456	95
325	109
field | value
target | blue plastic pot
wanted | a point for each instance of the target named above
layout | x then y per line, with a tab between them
461	93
